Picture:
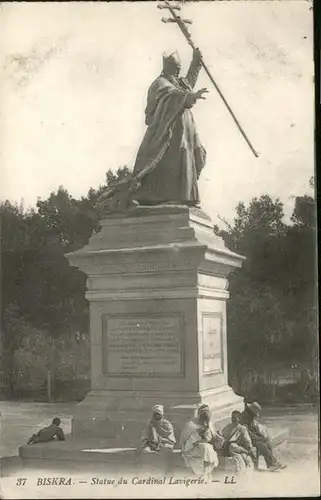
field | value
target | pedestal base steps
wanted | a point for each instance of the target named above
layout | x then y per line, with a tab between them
93	451
124	415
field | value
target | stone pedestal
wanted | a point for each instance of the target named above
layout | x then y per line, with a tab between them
157	288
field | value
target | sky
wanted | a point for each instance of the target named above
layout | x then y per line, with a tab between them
74	81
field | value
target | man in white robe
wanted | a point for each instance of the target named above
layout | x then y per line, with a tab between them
198	439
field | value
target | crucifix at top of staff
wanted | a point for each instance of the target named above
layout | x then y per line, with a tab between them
181	23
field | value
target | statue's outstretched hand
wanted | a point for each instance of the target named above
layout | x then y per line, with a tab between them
200	93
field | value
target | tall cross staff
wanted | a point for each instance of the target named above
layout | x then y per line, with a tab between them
182	25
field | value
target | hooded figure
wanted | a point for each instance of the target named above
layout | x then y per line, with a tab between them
159	434
197	442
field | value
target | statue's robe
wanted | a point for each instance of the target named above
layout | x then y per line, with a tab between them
171	156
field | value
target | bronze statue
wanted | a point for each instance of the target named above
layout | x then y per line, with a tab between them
171	156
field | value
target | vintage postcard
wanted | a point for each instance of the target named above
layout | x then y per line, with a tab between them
159	333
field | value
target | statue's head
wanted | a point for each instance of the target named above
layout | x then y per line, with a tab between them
171	63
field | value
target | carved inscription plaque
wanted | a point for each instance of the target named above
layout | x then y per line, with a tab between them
212	343
143	346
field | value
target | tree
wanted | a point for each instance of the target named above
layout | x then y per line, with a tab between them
39	286
270	313
14	242
302	238
304	212
121	174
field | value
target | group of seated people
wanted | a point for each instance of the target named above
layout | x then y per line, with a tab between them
244	439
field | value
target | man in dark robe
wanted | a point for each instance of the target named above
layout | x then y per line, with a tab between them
171	156
259	436
238	444
49	433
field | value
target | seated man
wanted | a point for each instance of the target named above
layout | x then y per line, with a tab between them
259	436
198	439
159	434
48	433
238	444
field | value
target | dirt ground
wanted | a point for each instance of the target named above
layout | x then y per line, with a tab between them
20	420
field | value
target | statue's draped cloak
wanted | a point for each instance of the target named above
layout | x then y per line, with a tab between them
171	156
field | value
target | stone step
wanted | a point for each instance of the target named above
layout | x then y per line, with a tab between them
88	450
111	451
